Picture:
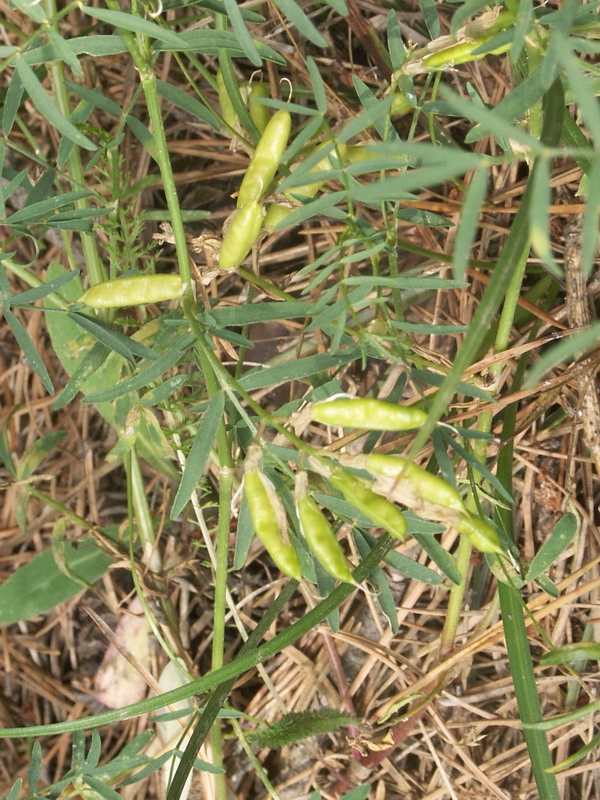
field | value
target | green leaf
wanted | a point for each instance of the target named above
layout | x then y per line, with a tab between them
339	6
322	205
35	11
429	10
539	231
558	541
44	208
526	689
33	773
571	347
47	107
93	756
129	22
523	22
15	790
210	42
146	376
40	585
317	84
37	452
12	102
297	17
397	187
196	461
300	725
31	295
101	788
491	122
384	595
66	54
368	101
95	98
113	338
260	312
406	566
295	370
241	31
29	351
589	747
394	41
244	535
365	119
188	103
439	556
590	220
574	651
547	585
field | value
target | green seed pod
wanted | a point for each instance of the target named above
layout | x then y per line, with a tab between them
266	159
268	518
310	189
400	105
482	534
242	232
227	109
368	414
259	113
319	534
379	510
426	486
276	213
135	291
460	53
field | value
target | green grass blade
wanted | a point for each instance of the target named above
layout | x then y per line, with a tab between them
469	218
526	691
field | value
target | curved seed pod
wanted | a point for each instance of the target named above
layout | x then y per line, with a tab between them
266	159
135	291
380	511
368	414
421	483
268	518
319	534
241	234
259	113
482	534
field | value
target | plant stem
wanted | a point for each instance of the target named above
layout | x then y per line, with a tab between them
92	258
142	58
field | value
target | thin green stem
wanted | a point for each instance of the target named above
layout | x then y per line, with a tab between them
457	594
142	58
93	261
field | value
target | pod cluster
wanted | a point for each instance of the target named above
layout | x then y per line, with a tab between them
247	221
395	480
